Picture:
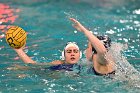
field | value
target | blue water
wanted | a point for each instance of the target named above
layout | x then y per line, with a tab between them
49	29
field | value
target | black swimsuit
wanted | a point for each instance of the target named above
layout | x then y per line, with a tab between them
96	73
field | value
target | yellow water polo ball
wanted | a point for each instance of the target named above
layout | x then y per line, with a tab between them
16	37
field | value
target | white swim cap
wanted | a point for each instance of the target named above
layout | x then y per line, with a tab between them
71	44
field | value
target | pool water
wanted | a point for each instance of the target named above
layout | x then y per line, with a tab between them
49	29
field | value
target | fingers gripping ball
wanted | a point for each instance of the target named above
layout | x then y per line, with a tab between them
16	37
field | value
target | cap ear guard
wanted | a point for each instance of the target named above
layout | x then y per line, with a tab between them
80	54
63	55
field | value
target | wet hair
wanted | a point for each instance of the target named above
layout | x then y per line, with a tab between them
106	41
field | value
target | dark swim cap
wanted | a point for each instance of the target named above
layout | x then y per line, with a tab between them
105	40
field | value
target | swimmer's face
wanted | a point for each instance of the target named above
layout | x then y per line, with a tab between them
72	55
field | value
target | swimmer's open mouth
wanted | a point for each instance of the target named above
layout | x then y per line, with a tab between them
72	58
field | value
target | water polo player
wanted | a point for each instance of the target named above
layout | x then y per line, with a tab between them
102	64
70	56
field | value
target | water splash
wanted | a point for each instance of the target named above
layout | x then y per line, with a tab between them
125	71
136	11
70	15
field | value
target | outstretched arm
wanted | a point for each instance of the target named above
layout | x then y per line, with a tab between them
24	56
101	50
27	59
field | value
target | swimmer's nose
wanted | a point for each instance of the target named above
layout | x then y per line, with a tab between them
72	54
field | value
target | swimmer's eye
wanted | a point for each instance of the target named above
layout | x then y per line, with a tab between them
75	51
70	51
